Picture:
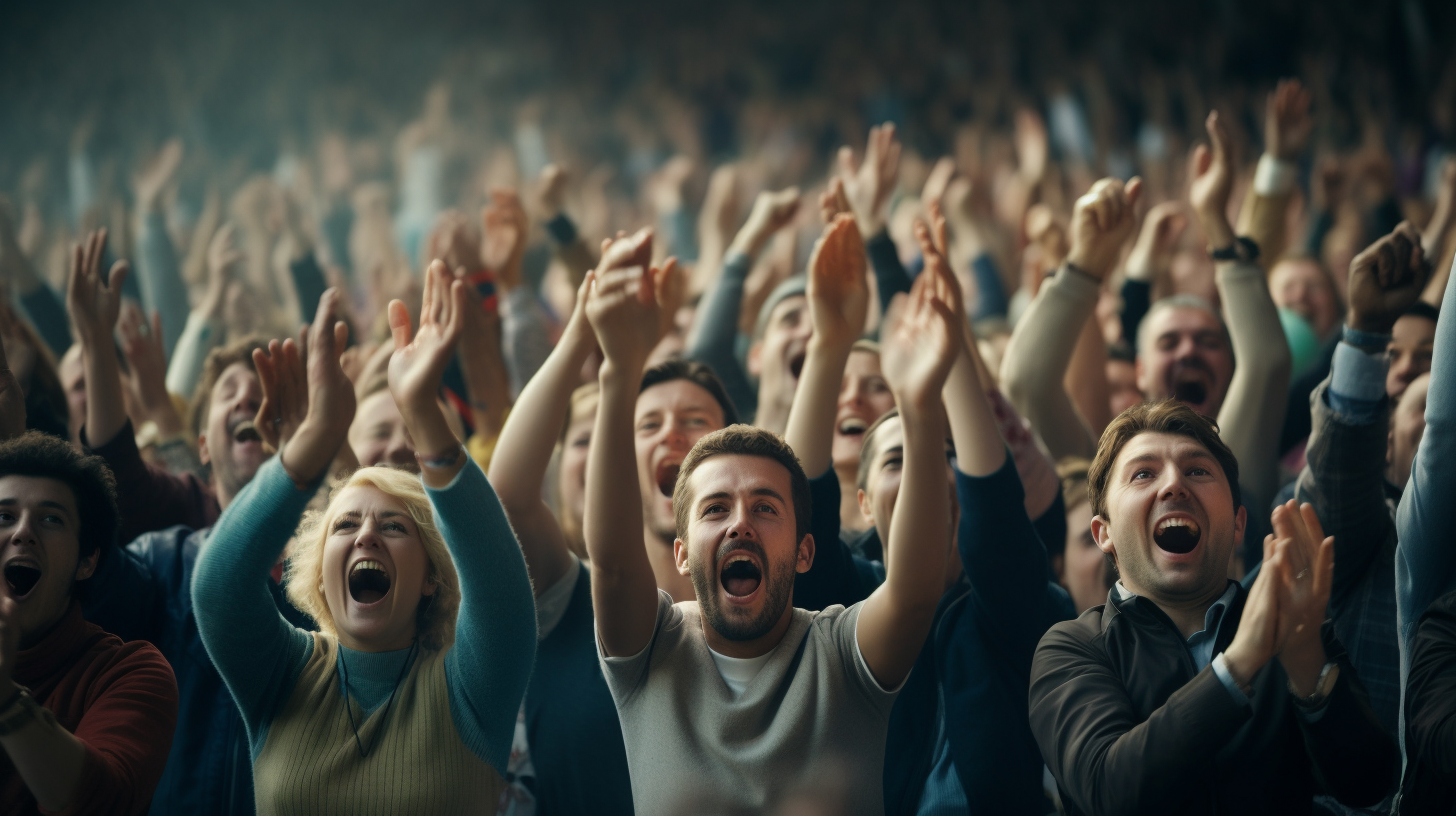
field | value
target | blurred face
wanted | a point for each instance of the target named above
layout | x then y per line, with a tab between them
1411	342
741	551
1171	521
1407	426
1185	356
378	435
573	458
777	358
1083	568
40	550
882	488
73	381
1122	386
375	571
1301	286
229	441
864	397
671	418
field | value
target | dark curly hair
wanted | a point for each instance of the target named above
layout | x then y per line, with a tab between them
44	456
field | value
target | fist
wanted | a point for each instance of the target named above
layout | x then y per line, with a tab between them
1386	279
1102	221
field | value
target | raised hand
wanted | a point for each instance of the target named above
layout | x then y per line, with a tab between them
935	249
838	292
223	257
323	396
1287	123
93	301
772	211
505	227
922	343
146	355
455	242
1213	181
421	356
936	183
832	201
1157	240
1305	577
868	185
622	304
550	191
1386	279
152	178
1260	634
670	288
1102	221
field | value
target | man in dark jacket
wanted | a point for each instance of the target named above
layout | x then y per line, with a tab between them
1185	693
1430	714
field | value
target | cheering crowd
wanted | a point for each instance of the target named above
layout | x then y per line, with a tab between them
913	478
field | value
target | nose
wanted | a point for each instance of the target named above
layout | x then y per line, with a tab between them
674	434
1174	486
400	451
850	393
368	537
738	526
23	533
250	397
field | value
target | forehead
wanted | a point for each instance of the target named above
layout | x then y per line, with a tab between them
1302	270
738	474
32	490
863	362
1413	330
1181	320
1162	446
234	376
378	407
889	434
679	395
366	499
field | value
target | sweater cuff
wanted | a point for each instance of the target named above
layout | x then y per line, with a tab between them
1357	383
1274	176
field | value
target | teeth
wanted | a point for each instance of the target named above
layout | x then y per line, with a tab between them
1178	522
852	425
367	564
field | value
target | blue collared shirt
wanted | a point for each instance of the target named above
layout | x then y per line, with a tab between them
1200	644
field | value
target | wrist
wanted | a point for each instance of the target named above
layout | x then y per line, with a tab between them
1241	667
1368	329
1217	230
1303	663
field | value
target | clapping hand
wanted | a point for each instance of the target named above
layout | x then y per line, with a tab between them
868	185
922	342
1305	574
1102	221
838	292
504	246
94	303
622	305
1287	123
308	402
1213	181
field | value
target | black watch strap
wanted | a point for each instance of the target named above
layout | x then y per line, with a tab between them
1243	250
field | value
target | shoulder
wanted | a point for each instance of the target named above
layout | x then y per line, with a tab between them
134	664
160	548
1083	635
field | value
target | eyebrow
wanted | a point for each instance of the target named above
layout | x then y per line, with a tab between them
9	502
757	491
1183	454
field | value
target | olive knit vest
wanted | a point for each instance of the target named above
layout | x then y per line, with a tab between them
310	764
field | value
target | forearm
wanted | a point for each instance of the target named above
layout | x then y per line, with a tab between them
810	430
105	413
1086	378
161	277
203	333
1264	215
570	248
1253	408
890	275
526	335
715	338
624	591
48	759
1037	357
973	427
1137	298
487	384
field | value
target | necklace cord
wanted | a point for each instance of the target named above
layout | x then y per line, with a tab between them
349	708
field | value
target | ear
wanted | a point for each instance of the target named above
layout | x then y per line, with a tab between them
1241	521
203	455
754	360
87	566
805	555
429	587
864	508
680	555
1102	532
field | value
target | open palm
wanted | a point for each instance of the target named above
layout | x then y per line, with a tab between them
420	356
838	292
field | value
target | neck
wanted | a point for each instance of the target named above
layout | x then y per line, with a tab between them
377	644
757	647
29	640
1187	614
664	569
850	519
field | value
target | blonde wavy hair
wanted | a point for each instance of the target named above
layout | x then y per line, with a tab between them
435	623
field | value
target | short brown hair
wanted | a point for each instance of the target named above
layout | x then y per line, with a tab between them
239	351
744	440
1167	416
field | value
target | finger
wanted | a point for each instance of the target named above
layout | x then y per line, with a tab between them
119	271
1218	132
1324	568
847	165
937	224
1202	160
1311	522
427	301
157	327
459	299
1134	191
399	324
97	249
341	339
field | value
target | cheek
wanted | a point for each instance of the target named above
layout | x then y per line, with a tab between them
409	559
881	403
336	552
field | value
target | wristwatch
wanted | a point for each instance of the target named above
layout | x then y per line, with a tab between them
1243	250
1322	688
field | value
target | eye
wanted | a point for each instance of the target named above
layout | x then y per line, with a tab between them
54	519
697	422
1142	473
648	425
344	524
715	507
581	442
6	517
893	463
1199	471
765	507
393	527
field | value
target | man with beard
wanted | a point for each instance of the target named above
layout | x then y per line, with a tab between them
1185	352
1186	693
738	696
145	592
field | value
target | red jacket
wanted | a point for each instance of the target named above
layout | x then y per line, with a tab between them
119	699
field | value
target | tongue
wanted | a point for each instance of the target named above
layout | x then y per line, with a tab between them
368	596
739	587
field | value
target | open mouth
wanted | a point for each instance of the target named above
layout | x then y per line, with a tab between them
1177	535
667	477
740	576
796	364
245	431
852	426
368	582
21	578
1193	393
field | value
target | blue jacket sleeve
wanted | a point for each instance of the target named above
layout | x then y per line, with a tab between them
716	341
1425	564
236	615
1005	560
490	662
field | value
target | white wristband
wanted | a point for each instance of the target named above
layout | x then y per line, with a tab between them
1274	176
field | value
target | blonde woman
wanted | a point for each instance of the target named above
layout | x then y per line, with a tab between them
405	701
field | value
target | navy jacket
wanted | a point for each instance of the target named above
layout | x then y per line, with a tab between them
144	592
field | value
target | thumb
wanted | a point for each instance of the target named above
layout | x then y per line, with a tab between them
847	164
1133	191
399	324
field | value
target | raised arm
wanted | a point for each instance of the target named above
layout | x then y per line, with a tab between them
866	187
518	468
306	408
524	326
1287	128
1439	236
1253	409
94	304
566	243
623	311
495	643
12	397
1151	258
205	330
917	353
159	270
40	303
1345	476
1042	344
1425	565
